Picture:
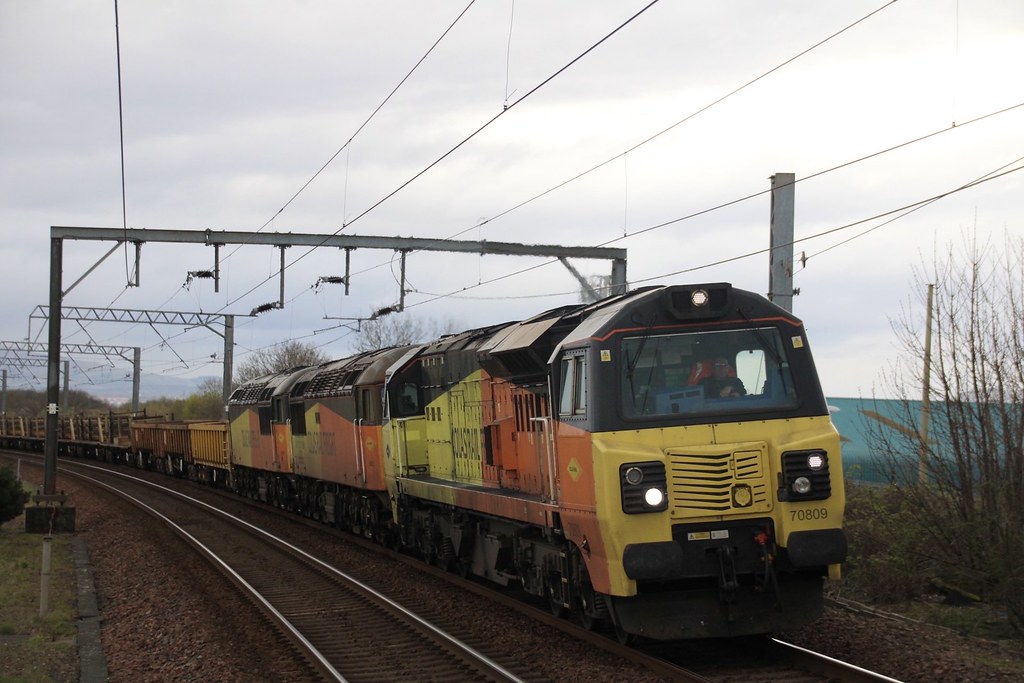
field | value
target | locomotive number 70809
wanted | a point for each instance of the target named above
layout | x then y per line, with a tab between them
808	514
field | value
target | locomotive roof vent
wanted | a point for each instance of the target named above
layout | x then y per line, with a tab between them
687	302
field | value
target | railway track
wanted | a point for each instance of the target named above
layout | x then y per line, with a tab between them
343	629
759	660
347	635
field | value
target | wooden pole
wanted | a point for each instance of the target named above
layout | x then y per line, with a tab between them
922	461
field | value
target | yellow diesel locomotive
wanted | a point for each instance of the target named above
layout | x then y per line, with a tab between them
661	461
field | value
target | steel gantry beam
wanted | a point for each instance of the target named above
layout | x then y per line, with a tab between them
93	349
127	315
291	239
153	317
132	354
218	238
18	362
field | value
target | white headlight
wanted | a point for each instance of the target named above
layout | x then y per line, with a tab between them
815	462
654	497
801	485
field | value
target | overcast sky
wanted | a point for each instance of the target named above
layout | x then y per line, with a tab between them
231	107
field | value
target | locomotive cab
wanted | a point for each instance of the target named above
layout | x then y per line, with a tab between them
711	452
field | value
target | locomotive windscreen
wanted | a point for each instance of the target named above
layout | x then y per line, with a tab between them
704	373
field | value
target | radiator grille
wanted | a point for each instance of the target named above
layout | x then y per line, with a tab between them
730	482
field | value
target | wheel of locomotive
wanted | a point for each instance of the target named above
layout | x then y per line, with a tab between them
587	621
383	528
320	513
462	568
408	537
425	544
444	555
555	603
316	503
350	515
370	518
620	635
392	539
427	553
589	605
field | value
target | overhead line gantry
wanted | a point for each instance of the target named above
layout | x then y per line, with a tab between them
219	238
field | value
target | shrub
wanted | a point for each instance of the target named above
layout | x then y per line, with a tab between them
12	496
888	560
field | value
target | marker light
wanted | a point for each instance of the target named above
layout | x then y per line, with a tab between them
815	461
634	475
801	485
654	497
699	297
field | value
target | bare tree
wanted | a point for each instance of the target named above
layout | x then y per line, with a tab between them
399	329
964	483
279	357
209	386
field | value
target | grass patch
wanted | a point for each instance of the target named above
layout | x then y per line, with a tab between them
981	620
34	648
20	566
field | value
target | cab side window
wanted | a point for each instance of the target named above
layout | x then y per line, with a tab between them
404	400
572	396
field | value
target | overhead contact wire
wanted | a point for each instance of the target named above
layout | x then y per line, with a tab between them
120	123
916	208
362	125
908	208
657	135
678	123
455	148
485	125
760	193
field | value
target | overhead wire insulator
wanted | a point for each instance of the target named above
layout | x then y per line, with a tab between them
263	308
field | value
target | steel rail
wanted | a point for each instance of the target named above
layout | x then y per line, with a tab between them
318	660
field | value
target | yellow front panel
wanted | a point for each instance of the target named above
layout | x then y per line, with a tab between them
706	465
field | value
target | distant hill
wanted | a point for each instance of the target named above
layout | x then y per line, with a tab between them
30	403
153	386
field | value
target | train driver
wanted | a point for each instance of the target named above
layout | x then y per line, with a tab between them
722	381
